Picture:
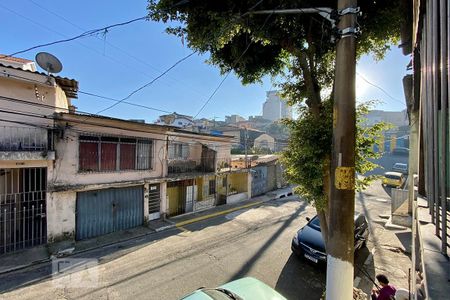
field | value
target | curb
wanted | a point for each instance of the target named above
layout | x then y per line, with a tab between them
219	213
151	231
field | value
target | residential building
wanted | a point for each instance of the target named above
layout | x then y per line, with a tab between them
66	176
396	118
242	137
233	119
276	108
426	37
27	150
177	120
265	141
265	170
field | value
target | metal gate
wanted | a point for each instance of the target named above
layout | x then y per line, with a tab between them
104	211
154	202
22	208
259	180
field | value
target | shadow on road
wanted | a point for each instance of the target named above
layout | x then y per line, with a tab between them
301	279
387	189
248	265
45	271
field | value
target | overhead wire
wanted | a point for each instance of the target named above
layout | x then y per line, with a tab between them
380	88
231	69
141	61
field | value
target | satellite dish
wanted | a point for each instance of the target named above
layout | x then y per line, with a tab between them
48	62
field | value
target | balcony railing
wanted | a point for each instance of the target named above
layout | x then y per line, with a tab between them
23	139
177	166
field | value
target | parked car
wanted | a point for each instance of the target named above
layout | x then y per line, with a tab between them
400	167
400	151
247	288
308	242
394	179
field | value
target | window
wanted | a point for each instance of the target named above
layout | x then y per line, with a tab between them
212	187
178	151
144	154
88	156
114	154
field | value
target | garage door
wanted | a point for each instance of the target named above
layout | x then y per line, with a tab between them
104	211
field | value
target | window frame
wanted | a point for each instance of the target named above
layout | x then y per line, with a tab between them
118	141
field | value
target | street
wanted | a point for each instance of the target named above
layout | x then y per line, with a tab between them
167	265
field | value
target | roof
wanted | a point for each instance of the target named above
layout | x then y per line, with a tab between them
15	59
148	125
69	86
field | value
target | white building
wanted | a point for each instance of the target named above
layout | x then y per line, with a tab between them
276	108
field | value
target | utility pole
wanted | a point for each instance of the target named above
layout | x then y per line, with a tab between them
340	247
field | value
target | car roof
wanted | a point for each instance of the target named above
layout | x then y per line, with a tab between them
400	164
393	173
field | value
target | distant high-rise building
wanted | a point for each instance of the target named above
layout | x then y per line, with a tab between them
276	108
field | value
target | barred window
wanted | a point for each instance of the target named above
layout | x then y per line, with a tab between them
103	154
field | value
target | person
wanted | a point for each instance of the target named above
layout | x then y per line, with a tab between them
386	292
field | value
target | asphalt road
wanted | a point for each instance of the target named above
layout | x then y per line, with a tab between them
250	242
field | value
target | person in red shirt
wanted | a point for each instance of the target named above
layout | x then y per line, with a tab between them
386	292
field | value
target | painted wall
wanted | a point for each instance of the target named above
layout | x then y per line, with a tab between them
61	216
67	160
33	90
265	141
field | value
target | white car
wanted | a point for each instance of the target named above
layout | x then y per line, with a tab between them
400	167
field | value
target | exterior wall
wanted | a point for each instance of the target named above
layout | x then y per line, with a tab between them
265	141
37	93
271	177
259	180
237	182
67	161
61	208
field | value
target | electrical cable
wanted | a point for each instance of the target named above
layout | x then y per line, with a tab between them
381	89
231	69
147	84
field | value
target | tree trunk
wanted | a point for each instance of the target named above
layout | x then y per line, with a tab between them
323	212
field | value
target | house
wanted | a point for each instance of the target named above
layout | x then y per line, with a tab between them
28	101
265	141
109	176
66	176
193	161
176	120
242	136
233	119
266	172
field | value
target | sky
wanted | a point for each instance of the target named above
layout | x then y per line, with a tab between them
127	57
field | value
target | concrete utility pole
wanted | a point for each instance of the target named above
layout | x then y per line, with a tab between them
340	246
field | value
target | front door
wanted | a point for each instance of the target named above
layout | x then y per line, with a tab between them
154	202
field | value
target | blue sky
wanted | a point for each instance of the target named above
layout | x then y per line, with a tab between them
132	55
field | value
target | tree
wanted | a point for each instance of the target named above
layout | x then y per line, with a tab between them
296	46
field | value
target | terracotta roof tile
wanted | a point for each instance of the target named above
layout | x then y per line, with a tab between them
14	59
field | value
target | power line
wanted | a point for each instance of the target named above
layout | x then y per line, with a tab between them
149	83
141	61
380	88
234	64
124	102
84	34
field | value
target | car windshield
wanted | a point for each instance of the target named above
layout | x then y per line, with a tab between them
390	176
315	223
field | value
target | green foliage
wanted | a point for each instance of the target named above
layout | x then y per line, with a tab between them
296	46
221	29
310	147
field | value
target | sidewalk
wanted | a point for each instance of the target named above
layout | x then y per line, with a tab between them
436	265
389	248
28	257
